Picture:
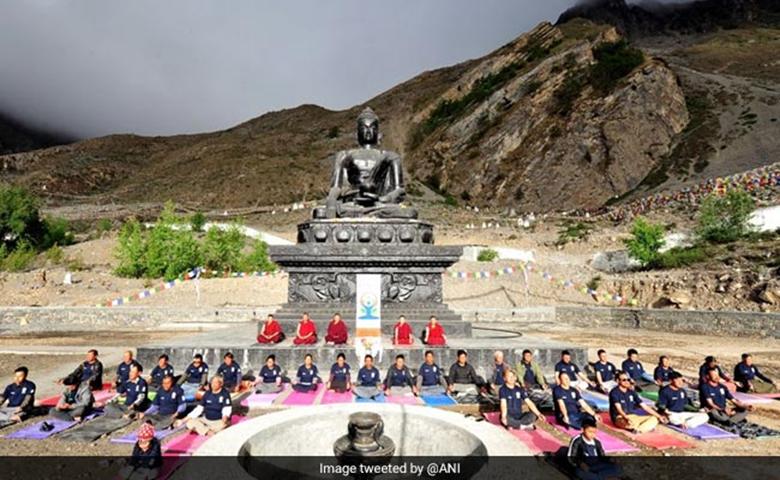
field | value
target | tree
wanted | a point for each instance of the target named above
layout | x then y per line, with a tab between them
646	241
724	219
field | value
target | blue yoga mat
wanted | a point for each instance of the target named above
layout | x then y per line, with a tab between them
596	400
438	400
377	399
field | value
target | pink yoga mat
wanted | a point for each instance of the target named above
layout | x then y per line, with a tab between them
261	399
610	443
300	398
334	397
183	445
402	399
767	395
538	441
655	439
100	396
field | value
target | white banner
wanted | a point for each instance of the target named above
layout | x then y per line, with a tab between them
368	316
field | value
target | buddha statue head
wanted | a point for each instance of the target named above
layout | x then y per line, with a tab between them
367	128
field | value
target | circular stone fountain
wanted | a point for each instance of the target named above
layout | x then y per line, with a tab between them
263	446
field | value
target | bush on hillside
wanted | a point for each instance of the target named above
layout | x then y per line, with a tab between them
724	219
487	255
646	241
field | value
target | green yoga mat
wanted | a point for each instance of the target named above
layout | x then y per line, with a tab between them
650	395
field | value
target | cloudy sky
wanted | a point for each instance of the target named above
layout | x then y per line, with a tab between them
94	67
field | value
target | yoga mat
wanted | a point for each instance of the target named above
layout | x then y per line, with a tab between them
442	400
705	432
767	395
100	396
132	437
301	398
334	397
48	401
91	431
33	432
538	441
259	399
403	399
655	439
169	467
611	444
752	399
183	445
377	399
652	396
596	400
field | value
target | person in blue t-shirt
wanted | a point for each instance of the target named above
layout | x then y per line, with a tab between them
672	403
497	378
430	379
641	380
213	413
627	411
750	380
195	378
570	407
715	398
586	455
308	377
663	371
369	381
90	371
136	396
270	378
578	379
230	371
711	362
399	379
160	371
168	405
18	398
340	379
605	372
512	397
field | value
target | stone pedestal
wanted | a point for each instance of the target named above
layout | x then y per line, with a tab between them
329	254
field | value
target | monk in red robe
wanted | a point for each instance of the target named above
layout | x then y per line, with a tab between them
337	331
402	332
271	331
434	333
306	333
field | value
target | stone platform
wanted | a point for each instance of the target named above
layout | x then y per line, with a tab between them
239	339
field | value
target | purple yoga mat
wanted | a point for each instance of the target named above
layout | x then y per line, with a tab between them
334	397
752	399
34	432
402	399
705	432
261	399
610	443
132	437
300	398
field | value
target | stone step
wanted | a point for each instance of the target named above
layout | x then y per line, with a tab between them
452	328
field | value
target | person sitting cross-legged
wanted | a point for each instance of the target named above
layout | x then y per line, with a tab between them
340	378
578	379
123	371
499	365
76	400
430	380
569	404
512	397
711	362
271	331
160	371
605	372
529	374
230	371
18	398
463	379
168	405
587	456
434	334
147	457
672	403
399	379
306	332
136	396
402	332
337	333
195	377
625	407
750	378
715	398
308	377
213	413
663	371
91	371
270	378
368	380
636	372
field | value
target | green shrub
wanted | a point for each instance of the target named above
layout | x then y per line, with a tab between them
20	220
614	61
334	132
222	248
645	242
75	264
450	200
724	219
571	231
56	232
20	258
487	255
594	282
679	257
568	93
197	222
104	225
170	251
55	255
130	251
257	259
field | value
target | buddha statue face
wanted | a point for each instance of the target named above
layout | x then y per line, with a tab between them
368	128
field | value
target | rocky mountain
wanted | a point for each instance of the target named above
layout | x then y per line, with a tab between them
16	137
566	116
